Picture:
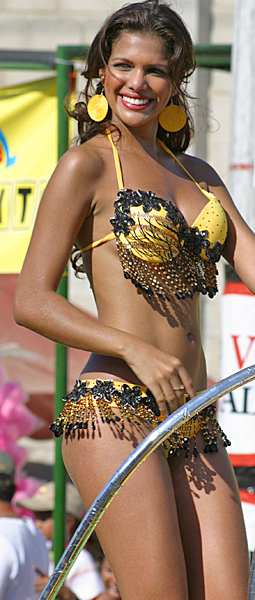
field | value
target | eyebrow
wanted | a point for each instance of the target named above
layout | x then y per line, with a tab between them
125	59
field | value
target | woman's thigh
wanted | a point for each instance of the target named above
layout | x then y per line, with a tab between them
211	525
139	530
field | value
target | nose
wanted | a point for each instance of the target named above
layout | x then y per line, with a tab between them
137	80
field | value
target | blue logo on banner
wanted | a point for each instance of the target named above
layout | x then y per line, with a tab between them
10	160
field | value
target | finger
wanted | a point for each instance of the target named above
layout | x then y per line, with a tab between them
179	389
186	381
174	391
178	377
170	397
180	393
160	398
166	408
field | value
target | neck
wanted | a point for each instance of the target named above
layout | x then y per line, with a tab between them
145	136
5	508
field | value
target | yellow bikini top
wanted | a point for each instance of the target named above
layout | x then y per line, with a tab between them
157	249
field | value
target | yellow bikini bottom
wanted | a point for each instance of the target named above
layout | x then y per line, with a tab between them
131	402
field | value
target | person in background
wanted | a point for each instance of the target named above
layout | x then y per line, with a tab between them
111	588
83	581
22	546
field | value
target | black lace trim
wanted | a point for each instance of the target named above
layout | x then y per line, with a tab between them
193	239
127	198
128	396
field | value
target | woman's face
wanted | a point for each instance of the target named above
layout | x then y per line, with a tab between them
45	523
136	80
109	581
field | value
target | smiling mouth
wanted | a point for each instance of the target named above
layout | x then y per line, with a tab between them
136	101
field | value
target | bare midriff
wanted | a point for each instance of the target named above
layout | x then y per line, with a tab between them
171	326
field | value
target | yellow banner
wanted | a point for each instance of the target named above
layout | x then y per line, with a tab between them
28	155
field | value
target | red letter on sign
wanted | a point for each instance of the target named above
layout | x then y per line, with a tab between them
241	360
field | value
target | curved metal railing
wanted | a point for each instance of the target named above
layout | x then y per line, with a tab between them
145	448
252	580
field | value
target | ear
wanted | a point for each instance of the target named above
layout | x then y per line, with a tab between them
101	73
174	91
176	88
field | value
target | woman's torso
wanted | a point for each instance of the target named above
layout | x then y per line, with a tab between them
170	325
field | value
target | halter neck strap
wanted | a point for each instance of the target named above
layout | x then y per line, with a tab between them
181	165
119	171
116	161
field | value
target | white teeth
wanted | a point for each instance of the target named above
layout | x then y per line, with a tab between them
139	102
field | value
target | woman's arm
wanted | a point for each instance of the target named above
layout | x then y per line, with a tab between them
62	211
239	248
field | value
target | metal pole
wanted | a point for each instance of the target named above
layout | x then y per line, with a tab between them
252	580
26	66
145	448
213	56
210	56
64	68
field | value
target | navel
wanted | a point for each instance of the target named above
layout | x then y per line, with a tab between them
190	337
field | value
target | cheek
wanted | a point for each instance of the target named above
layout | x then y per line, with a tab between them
110	88
43	529
107	580
113	82
46	528
162	87
112	580
165	93
108	81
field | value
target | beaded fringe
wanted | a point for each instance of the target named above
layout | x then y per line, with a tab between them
179	440
132	402
183	279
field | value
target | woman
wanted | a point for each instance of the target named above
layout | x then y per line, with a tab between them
175	531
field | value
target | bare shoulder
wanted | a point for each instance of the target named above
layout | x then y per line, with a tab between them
85	160
76	178
70	192
209	179
201	171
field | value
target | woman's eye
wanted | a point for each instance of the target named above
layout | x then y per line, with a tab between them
157	71
122	66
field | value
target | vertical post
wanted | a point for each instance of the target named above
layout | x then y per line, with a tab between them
237	303
242	152
64	68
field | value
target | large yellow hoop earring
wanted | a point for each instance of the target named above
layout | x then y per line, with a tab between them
97	107
172	118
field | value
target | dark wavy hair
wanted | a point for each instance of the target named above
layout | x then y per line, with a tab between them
151	17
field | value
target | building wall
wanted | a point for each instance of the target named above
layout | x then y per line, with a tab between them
33	25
